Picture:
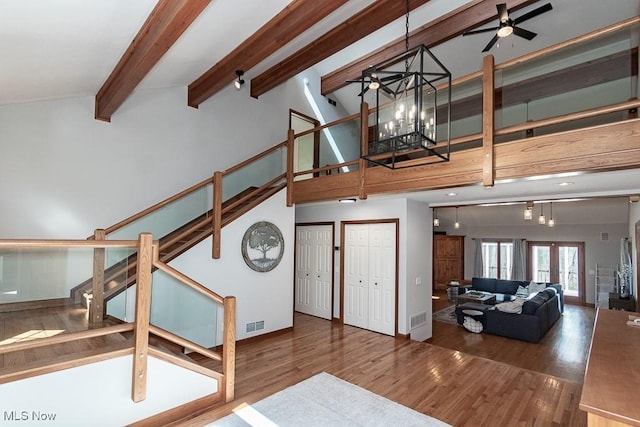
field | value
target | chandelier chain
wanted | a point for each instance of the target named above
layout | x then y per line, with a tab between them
406	36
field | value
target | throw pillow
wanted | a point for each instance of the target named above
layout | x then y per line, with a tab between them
522	292
535	287
514	306
472	325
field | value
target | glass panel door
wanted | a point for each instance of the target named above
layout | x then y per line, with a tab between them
568	270
559	262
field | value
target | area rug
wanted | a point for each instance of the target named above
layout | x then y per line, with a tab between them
447	315
324	400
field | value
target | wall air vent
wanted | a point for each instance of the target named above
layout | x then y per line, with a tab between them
251	327
259	325
418	319
604	236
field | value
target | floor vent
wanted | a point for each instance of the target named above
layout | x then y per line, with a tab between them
418	319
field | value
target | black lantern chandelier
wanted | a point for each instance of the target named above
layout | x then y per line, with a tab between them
408	122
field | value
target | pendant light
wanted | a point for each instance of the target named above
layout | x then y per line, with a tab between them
436	220
408	121
541	219
551	223
528	212
457	224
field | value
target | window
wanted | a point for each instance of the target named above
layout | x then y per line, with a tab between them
497	259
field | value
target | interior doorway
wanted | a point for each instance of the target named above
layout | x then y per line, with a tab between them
559	262
306	148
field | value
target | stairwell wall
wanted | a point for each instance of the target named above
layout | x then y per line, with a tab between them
266	297
63	174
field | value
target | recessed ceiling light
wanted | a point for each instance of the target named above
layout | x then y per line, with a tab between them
564	184
452	194
347	200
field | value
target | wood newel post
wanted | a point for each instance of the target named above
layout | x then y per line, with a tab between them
364	149
217	214
488	121
229	348
143	314
290	171
96	307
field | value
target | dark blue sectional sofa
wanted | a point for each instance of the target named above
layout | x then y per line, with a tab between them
539	312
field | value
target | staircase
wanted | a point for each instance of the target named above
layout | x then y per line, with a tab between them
112	342
121	275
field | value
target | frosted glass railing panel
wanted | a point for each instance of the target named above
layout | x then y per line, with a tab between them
254	174
42	274
119	274
170	217
45	278
183	311
593	74
466	109
340	144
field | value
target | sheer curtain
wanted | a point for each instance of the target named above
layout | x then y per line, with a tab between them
519	267
477	262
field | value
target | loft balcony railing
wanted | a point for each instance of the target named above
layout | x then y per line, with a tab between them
584	89
35	282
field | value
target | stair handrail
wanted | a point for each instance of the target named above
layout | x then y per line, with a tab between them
147	252
155	207
254	158
218	178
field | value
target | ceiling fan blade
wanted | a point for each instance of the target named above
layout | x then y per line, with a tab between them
524	33
503	13
490	44
535	12
485	30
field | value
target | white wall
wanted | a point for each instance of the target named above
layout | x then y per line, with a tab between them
64	174
68	397
419	267
414	249
596	251
265	296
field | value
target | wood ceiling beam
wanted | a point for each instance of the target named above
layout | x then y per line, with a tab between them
453	24
363	23
292	21
166	23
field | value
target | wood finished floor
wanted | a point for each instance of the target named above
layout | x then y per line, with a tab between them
524	386
461	378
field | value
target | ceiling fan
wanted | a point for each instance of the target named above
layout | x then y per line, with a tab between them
507	26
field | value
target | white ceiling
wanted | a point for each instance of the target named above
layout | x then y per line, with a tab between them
67	48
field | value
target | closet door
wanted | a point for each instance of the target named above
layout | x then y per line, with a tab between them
314	270
356	275
370	276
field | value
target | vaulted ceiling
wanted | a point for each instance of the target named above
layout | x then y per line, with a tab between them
110	48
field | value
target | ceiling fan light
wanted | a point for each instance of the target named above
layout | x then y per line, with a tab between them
505	30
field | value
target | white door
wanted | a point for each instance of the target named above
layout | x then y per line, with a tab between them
314	270
356	273
370	276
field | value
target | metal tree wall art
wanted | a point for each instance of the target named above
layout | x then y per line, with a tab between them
262	246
